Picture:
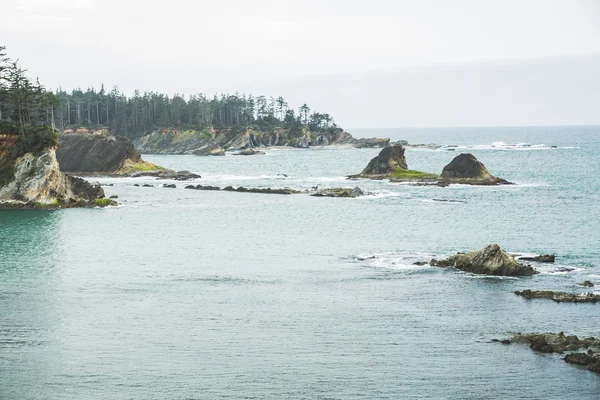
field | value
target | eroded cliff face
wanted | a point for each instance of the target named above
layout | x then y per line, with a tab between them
95	153
172	141
38	181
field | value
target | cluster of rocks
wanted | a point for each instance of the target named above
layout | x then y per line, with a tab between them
243	189
391	164
559	297
561	343
167	174
339	192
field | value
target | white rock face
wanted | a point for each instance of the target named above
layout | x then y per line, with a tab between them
37	179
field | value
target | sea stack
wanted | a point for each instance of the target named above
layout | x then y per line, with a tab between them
390	164
466	169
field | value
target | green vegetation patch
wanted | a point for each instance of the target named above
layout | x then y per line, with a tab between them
103	202
411	174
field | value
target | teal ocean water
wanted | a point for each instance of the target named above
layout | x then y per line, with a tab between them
184	294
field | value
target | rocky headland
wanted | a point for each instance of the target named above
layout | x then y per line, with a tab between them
99	153
33	179
491	260
212	141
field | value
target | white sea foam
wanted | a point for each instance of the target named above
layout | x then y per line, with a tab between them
400	261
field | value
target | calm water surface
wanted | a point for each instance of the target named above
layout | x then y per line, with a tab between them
188	294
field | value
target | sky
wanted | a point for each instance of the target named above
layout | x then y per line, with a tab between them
376	63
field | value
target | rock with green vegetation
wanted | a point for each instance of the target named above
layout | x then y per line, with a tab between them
390	164
559	297
491	260
339	192
466	169
37	182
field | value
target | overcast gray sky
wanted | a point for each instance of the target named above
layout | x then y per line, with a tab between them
356	57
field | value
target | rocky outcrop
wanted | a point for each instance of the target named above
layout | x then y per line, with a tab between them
212	149
546	258
39	183
491	260
390	164
339	192
371	143
466	169
556	342
559	297
250	152
96	153
166	174
561	343
586	284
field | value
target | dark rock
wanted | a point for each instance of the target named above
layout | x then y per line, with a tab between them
84	190
114	196
371	142
589	360
147	185
135	184
587	284
388	160
201	187
491	260
442	263
339	192
466	169
166	174
94	153
229	189
170	186
559	297
546	258
250	152
420	263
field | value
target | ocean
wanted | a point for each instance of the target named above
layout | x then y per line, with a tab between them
186	294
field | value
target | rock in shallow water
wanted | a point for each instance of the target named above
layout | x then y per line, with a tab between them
559	297
466	169
546	258
491	260
339	192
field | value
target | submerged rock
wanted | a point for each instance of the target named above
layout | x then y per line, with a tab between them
491	260
586	284
466	169
250	152
339	192
170	186
559	296
546	258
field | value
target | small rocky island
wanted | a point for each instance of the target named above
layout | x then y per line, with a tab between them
467	170
559	297
491	260
391	164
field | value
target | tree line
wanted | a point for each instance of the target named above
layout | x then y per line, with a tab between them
27	103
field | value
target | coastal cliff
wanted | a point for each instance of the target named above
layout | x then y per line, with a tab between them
204	142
